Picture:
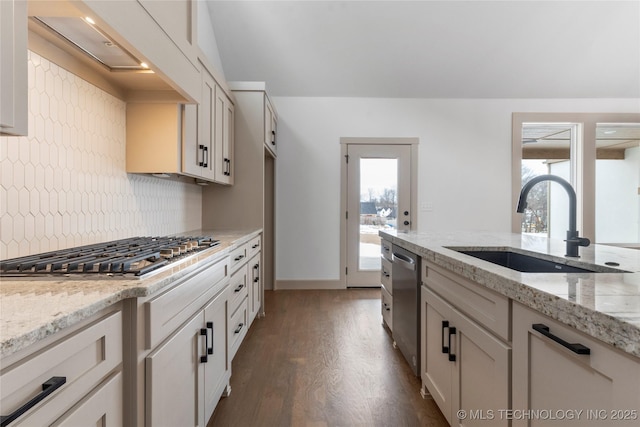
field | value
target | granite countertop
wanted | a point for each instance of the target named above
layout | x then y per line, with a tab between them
605	306
31	310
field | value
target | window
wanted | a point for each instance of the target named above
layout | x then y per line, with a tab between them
599	154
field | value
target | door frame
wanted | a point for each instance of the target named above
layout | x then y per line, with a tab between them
344	142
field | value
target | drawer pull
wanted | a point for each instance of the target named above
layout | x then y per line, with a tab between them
452	357
238	258
239	328
238	289
255	246
210	349
576	348
205	358
256	280
385	274
48	387
445	325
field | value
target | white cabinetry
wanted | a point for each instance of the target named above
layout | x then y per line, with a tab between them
13	67
249	203
462	359
245	291
184	351
223	138
386	281
78	376
270	126
553	372
183	139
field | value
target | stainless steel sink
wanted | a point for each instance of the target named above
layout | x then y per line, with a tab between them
532	264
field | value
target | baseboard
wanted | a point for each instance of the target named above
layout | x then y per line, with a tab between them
308	284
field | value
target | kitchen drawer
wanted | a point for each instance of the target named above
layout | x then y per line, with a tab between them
238	257
166	312
385	250
487	307
253	246
385	275
238	289
237	328
83	358
387	308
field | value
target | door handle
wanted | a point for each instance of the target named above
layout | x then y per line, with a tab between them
205	358
404	261
452	357
210	326
445	325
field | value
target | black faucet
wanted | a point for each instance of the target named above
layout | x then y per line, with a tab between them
573	241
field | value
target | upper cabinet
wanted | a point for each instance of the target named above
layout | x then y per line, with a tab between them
13	67
194	140
223	139
270	126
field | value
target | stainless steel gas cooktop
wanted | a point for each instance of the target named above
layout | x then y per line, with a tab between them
127	258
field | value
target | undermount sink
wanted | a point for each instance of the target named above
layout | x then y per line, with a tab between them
531	264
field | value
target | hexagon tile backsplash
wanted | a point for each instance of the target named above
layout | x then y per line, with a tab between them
65	184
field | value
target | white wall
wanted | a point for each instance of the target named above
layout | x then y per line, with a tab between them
207	38
464	166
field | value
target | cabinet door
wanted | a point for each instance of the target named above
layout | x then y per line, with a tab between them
216	371
437	370
270	126
466	367
255	295
481	382
192	153
174	380
549	376
13	67
206	126
223	137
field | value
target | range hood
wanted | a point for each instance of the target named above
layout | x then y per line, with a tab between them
88	38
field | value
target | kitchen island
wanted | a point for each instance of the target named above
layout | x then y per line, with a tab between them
605	306
519	349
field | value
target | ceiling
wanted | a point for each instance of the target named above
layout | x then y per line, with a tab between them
433	49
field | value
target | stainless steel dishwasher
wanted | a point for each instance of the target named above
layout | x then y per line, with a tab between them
405	275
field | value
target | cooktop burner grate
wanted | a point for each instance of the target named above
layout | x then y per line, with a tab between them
134	256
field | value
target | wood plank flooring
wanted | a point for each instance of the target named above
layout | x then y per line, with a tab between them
323	358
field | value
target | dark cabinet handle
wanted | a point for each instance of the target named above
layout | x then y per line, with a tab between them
239	288
205	358
239	328
576	348
385	274
386	306
48	387
452	357
445	325
255	246
238	258
201	148
210	349
273	137
227	167
256	280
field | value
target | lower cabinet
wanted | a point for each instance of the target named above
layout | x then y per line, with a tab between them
559	372
464	367
76	380
255	288
187	374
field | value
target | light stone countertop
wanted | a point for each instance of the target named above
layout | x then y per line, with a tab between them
605	306
31	310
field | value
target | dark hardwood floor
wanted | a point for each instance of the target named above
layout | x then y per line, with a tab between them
323	358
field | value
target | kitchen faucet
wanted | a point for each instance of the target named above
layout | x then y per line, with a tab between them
573	241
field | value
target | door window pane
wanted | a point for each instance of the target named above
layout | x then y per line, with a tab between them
378	207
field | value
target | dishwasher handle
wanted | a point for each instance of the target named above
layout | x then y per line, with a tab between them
404	261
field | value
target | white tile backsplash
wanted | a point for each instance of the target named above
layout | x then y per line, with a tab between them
65	183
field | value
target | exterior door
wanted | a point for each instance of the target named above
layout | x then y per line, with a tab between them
378	198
